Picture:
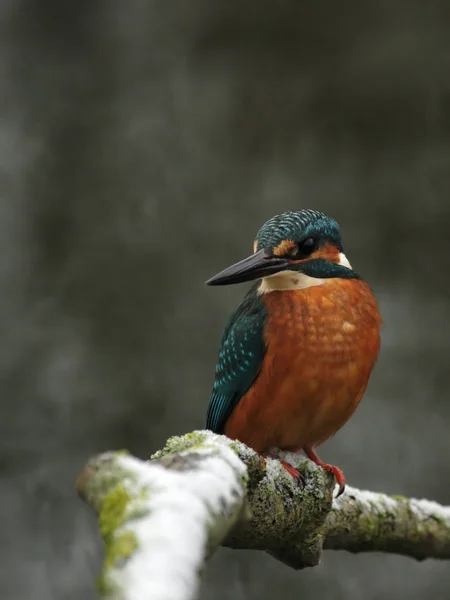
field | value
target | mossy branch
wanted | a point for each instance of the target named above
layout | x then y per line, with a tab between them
160	520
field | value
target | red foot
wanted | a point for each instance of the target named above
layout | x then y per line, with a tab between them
338	474
289	468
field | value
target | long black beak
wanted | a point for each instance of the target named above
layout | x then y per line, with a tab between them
255	266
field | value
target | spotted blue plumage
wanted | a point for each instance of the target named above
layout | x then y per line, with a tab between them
243	348
240	357
296	226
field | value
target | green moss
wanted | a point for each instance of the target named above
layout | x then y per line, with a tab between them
236	447
112	511
400	498
175	444
243	480
123	452
371	527
118	546
440	520
104	586
121	547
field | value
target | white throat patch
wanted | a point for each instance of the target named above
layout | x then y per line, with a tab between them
294	280
343	260
288	280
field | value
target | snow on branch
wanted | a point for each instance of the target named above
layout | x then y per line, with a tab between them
161	519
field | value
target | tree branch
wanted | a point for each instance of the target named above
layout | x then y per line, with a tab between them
161	519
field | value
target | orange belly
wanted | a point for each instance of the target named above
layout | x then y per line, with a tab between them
322	344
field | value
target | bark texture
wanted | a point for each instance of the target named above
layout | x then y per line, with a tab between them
161	519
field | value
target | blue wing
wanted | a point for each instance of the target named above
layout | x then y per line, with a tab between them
240	357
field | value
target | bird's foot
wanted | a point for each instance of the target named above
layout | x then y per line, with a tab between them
289	468
338	474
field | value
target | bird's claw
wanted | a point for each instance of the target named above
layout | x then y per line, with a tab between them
338	475
341	489
292	471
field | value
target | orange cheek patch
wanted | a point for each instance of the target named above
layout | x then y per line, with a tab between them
284	248
327	251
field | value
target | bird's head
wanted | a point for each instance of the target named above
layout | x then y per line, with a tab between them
294	250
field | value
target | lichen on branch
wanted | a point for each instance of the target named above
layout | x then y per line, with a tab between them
161	519
362	521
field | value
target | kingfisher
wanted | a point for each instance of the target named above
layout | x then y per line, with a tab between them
297	354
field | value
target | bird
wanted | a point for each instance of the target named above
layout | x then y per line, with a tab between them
298	352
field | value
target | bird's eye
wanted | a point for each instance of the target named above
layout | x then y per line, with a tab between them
306	247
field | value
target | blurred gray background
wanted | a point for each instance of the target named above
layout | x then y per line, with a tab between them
142	144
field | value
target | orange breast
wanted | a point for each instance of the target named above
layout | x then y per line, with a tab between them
322	344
